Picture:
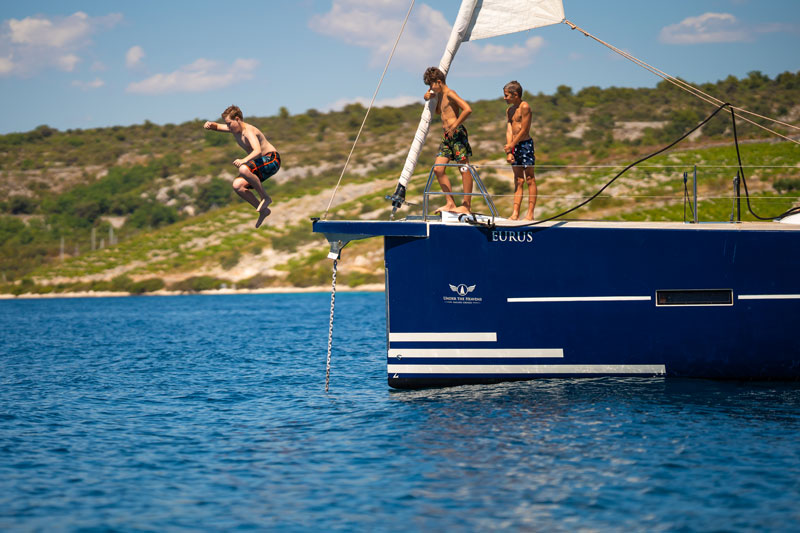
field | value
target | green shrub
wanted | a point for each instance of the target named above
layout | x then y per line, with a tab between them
147	285
121	283
786	185
230	260
152	215
198	283
214	193
216	138
21	205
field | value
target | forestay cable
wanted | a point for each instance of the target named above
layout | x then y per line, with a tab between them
694	91
358	135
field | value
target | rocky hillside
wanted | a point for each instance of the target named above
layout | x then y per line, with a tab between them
145	208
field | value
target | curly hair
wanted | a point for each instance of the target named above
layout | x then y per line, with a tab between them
432	74
233	112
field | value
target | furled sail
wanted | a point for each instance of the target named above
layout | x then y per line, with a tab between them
478	19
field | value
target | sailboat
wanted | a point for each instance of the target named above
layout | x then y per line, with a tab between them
480	299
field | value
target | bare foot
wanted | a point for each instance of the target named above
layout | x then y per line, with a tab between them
462	209
449	208
263	204
528	218
514	216
264	213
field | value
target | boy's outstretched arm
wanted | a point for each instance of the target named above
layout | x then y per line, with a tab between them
216	127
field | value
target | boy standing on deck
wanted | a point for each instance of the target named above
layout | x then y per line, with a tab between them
262	160
455	143
519	147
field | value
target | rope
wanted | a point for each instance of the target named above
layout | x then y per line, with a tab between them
645	158
685	86
330	327
791	211
358	135
674	165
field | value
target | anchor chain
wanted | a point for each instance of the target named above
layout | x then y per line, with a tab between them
330	327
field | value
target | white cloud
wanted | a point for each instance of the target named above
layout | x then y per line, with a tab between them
134	56
374	24
39	42
6	65
397	101
58	32
706	28
67	62
514	55
202	75
94	84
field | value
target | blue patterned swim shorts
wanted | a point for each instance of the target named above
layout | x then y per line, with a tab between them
265	166
523	153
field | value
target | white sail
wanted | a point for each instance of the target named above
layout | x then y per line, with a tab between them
499	17
479	19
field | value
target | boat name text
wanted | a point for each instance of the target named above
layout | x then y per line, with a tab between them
512	236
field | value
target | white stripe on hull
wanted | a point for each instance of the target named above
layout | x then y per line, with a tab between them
504	353
490	370
581	299
769	296
443	337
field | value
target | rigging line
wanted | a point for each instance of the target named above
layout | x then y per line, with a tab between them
645	158
767	129
740	110
786	213
661	74
676	196
358	135
675	165
682	84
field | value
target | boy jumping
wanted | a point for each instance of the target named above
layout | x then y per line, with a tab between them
519	147
455	144
262	160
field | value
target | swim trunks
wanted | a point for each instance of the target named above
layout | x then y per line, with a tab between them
264	166
523	153
456	146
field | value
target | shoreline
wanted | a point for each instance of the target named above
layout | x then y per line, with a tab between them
370	287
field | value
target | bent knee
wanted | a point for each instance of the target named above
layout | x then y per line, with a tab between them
239	184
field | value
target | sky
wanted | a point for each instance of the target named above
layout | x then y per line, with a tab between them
94	63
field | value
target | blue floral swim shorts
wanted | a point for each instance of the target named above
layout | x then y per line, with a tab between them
523	153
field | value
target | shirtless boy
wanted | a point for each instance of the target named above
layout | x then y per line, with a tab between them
519	147
455	144
262	160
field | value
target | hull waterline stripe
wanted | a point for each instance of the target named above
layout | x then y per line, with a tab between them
582	299
525	369
769	296
443	337
476	352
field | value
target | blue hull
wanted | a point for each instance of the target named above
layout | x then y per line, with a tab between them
469	304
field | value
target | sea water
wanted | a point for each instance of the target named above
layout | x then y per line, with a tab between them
209	413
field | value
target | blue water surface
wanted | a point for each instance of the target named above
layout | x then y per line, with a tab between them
209	413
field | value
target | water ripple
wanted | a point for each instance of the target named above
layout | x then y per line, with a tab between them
209	413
